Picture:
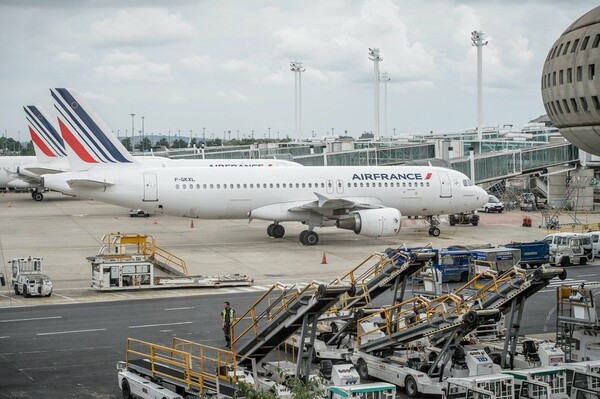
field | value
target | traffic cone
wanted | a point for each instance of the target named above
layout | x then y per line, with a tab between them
324	259
9	204
192	224
155	221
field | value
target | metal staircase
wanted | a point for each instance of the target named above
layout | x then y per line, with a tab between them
278	313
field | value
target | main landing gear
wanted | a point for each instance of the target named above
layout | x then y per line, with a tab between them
307	237
37	196
434	230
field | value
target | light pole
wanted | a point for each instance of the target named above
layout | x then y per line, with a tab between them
298	68
385	78
375	56
142	135
478	40
203	135
132	130
190	139
269	133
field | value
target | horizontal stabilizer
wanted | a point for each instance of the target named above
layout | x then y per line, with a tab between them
89	183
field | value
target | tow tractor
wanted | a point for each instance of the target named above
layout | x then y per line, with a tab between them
28	279
463	218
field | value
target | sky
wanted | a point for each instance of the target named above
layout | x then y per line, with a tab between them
224	65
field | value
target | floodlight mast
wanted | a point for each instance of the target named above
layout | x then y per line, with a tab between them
374	55
385	78
132	130
297	68
478	40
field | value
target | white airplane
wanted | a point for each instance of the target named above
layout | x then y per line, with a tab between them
50	157
367	200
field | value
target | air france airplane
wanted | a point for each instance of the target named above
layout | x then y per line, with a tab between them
367	200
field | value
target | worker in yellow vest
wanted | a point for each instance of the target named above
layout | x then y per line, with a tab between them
227	317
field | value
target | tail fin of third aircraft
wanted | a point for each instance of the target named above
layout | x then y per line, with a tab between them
47	142
90	141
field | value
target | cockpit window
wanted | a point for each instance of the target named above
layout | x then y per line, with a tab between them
467	183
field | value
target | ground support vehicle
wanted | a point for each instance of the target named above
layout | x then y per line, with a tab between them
533	254
134	261
28	279
564	240
139	213
577	322
571	252
463	218
493	205
499	259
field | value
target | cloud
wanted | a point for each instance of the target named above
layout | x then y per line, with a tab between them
175	99
65	56
198	63
88	95
117	57
143	72
232	95
141	26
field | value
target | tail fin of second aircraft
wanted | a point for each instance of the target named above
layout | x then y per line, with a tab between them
90	141
47	142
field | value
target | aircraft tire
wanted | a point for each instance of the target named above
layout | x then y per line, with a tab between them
434	231
37	196
278	231
301	236
270	229
310	239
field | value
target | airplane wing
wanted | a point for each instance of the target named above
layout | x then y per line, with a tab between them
42	171
326	206
89	183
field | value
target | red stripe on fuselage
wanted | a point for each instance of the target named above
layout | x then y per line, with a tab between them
428	175
40	144
75	144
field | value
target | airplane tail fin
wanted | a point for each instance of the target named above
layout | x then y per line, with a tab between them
47	143
89	140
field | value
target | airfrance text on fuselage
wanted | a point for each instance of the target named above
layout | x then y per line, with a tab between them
391	176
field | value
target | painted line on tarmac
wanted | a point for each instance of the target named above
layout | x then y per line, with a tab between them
163	331
6	336
66	297
184	308
32	319
72	331
162	324
587	275
11	299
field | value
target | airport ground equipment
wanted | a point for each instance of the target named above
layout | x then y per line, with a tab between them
502	259
463	218
443	321
533	254
577	322
134	261
2	280
28	279
570	253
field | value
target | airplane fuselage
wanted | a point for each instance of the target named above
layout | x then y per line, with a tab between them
234	193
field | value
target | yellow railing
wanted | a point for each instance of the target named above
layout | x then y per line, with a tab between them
194	364
125	245
579	228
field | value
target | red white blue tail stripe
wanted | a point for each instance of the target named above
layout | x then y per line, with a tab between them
87	135
43	134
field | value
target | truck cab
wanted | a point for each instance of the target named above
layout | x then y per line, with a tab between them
28	279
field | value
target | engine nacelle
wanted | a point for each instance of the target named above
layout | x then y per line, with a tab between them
382	222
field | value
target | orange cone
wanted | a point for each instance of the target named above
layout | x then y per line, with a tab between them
324	259
9	204
192	224
155	221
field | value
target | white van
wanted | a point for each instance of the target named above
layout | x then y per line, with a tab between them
493	205
557	240
595	237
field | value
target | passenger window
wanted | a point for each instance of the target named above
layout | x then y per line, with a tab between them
284	185
231	186
271	185
251	185
211	186
277	185
355	184
184	186
204	186
297	185
177	186
361	184
239	186
303	185
385	184
218	186
379	184
421	184
403	184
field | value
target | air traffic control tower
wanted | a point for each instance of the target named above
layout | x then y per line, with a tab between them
571	83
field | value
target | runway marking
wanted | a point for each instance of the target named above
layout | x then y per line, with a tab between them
62	296
6	336
247	289
165	331
587	275
32	319
184	308
72	331
162	324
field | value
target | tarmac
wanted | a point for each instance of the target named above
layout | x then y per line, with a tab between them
65	230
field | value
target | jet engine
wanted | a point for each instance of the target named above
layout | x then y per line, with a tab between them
372	222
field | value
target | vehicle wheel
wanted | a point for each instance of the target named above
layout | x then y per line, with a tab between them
278	231
37	196
564	261
270	229
362	369
311	238
486	210
16	289
500	211
475	223
410	386
434	231
25	291
49	295
126	390
583	260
